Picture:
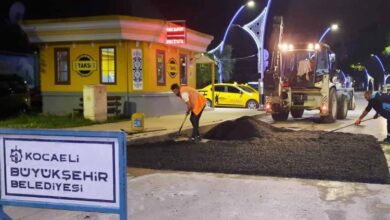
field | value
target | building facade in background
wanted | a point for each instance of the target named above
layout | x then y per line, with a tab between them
129	55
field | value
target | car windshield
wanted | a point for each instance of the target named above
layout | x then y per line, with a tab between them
247	89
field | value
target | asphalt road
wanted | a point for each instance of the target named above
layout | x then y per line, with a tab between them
273	152
375	127
168	195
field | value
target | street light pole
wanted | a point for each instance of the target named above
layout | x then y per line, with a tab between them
369	79
260	58
221	45
229	26
382	66
333	27
256	29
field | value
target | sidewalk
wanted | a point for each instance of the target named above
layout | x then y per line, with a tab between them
217	196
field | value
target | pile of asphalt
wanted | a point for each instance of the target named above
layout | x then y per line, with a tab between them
242	128
269	151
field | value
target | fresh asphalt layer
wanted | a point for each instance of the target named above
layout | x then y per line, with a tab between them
249	146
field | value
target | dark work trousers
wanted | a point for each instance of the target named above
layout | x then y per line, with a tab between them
195	123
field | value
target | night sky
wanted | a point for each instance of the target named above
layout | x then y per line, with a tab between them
364	25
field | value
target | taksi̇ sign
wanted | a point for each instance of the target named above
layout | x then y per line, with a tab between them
84	65
67	172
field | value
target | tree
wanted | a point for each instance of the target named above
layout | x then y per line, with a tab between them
203	75
227	62
357	66
386	51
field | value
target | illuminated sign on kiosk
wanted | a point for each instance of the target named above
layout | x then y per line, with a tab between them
176	32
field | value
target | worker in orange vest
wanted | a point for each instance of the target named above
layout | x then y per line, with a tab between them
195	103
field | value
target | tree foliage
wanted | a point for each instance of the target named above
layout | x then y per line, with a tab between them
203	74
386	51
227	62
203	71
357	66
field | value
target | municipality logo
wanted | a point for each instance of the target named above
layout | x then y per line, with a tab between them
16	155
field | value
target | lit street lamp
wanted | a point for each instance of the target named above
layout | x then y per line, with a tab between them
221	45
333	27
256	29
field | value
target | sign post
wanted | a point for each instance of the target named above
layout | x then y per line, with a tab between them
67	170
4	215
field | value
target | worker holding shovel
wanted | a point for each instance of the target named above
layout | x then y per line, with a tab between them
381	104
195	103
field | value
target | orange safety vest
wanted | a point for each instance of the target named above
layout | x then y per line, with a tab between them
197	101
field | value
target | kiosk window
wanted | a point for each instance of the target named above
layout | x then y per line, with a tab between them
107	65
183	69
61	61
160	67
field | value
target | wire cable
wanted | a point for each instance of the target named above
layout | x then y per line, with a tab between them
241	58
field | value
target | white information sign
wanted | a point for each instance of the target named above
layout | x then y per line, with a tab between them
63	170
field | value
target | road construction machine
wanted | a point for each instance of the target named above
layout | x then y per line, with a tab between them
305	78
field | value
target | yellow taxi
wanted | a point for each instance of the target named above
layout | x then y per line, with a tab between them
231	95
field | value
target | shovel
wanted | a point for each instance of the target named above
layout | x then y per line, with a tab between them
177	135
331	131
181	126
